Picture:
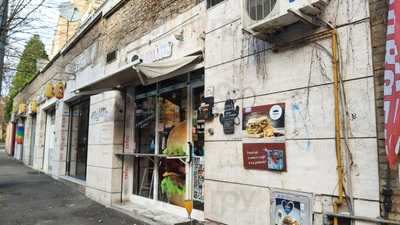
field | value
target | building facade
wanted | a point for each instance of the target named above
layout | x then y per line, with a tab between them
152	103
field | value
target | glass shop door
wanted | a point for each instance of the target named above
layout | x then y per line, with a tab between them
78	139
166	125
181	139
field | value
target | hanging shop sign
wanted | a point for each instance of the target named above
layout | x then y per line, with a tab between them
392	85
264	123
49	90
21	108
59	90
264	156
33	106
19	136
230	118
290	208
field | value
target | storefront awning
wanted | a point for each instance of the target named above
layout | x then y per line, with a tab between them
144	74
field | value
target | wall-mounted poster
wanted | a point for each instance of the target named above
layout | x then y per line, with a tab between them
198	179
264	156
264	123
290	208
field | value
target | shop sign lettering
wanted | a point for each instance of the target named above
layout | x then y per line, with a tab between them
392	84
158	52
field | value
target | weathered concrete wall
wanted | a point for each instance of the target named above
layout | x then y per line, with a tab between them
389	179
245	69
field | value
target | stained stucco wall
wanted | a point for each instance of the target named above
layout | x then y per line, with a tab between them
241	67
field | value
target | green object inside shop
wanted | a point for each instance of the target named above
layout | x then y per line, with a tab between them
174	150
170	188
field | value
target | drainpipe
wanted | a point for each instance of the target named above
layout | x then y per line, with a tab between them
339	156
332	33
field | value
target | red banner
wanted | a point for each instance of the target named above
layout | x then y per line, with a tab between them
392	84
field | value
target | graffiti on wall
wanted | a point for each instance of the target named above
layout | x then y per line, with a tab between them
99	115
392	84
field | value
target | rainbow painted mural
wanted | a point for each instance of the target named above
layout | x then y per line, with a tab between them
19	137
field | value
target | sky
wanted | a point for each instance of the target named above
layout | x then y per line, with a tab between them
44	24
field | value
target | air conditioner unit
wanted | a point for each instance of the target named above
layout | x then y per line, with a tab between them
267	16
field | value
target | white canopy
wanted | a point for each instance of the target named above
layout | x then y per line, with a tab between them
144	74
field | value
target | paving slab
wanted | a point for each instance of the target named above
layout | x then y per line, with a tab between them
28	197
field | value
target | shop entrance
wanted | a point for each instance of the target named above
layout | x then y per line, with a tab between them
78	139
32	142
49	140
169	137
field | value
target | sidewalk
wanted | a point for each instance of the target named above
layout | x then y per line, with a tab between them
30	198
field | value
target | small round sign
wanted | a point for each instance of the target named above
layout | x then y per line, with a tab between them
275	112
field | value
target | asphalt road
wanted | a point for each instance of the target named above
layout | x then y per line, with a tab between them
30	198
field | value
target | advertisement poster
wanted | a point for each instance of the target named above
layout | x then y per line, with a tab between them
290	209
198	179
263	130
392	85
264	123
264	156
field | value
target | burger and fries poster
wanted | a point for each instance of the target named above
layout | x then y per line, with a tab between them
264	137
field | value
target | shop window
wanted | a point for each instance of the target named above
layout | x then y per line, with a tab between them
166	119
211	3
145	125
78	139
144	175
145	113
172	128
